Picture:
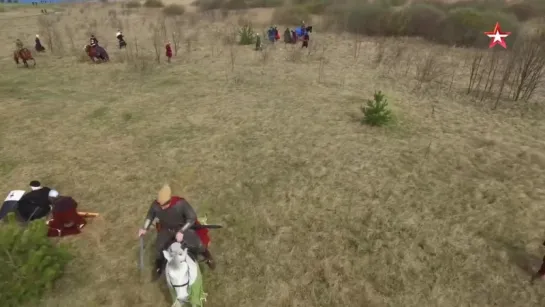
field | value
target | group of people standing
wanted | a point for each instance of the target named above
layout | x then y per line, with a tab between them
301	33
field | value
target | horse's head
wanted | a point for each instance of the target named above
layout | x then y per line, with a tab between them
177	271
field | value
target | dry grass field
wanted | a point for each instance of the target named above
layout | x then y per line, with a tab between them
442	208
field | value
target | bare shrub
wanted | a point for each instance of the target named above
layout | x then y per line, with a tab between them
157	41
295	55
380	52
429	68
174	10
177	23
235	5
132	4
232	56
474	70
154	3
290	15
206	5
265	3
323	60
48	29
69	33
395	55
517	73
529	65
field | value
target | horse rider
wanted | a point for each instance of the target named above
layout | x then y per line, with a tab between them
176	218
306	38
19	45
38	44
93	41
120	37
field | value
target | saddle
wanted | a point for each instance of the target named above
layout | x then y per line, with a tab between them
24	53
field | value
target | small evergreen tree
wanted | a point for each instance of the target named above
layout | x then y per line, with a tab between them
29	262
247	35
376	112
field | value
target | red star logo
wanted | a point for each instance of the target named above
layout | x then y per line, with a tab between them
498	36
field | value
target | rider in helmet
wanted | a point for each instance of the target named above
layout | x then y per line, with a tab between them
93	40
121	38
19	45
176	218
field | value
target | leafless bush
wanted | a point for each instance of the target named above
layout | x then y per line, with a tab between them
48	29
474	70
231	37
513	74
290	15
529	64
357	47
114	20
174	10
232	56
92	26
429	68
265	55
323	61
492	69
154	3
69	33
380	52
132	4
395	55
157	41
295	55
177	24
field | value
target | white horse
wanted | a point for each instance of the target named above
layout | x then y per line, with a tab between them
184	277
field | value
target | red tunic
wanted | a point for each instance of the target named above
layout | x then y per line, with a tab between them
168	51
202	232
66	220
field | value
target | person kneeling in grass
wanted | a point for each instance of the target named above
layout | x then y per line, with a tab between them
65	218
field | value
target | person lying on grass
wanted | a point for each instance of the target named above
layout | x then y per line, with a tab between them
65	219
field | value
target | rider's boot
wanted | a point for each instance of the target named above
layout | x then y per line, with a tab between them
158	269
208	259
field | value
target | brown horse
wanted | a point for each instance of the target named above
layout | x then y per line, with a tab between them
25	55
96	53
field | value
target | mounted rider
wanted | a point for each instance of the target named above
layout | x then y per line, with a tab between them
19	45
121	39
93	41
38	44
176	219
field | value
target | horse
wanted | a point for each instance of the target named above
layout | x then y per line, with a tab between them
96	53
183	277
25	55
